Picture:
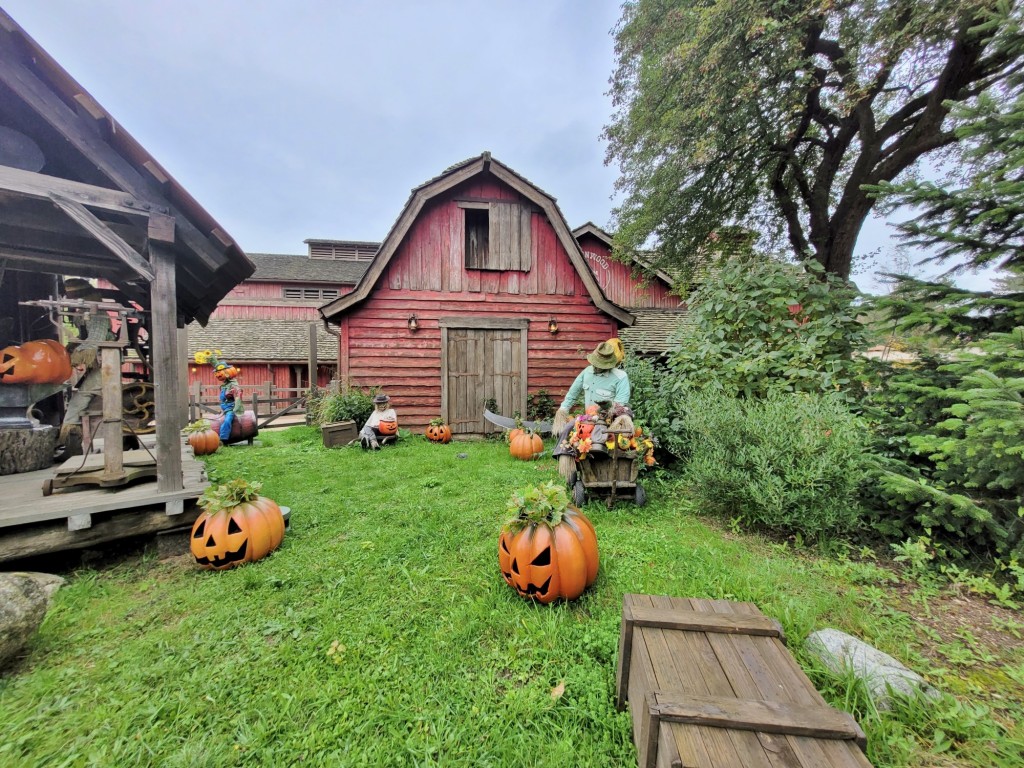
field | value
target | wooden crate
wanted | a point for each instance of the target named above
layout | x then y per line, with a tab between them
600	469
710	684
339	433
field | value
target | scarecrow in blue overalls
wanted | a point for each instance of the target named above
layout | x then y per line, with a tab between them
230	392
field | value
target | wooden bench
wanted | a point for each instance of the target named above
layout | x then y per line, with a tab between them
710	684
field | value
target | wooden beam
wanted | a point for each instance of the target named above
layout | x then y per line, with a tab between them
161	228
41	186
26	260
104	234
166	376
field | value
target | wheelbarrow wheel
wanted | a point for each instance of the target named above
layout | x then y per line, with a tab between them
579	493
570	481
641	495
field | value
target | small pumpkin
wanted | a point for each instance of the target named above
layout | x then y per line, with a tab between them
548	550
387	427
43	361
237	526
203	439
526	446
438	431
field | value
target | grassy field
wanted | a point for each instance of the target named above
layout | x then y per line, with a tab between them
381	632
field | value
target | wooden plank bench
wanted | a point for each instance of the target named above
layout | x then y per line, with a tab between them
710	684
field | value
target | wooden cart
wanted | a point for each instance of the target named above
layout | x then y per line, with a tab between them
608	473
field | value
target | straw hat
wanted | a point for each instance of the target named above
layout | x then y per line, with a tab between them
604	356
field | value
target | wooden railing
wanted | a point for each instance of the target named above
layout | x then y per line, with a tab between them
265	400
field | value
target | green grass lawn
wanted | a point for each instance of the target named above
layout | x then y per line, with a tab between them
381	632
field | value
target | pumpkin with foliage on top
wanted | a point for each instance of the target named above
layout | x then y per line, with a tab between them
526	446
438	431
202	438
237	526
548	549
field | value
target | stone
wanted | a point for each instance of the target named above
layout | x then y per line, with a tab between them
881	674
26	450
24	599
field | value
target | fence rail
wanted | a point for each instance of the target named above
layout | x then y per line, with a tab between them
262	399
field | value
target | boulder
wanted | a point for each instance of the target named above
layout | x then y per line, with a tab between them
881	674
24	599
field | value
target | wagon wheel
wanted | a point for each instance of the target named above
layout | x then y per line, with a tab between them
579	493
138	407
641	495
570	481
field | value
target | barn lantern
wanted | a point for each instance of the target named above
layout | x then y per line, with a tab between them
413	325
553	326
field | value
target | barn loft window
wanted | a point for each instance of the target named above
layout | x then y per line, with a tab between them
498	235
311	294
342	251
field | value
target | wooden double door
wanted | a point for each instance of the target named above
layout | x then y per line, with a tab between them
483	364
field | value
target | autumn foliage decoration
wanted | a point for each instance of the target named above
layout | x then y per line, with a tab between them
548	549
237	526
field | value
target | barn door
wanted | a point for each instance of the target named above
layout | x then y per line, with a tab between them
481	366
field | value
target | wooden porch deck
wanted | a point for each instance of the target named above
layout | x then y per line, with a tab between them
76	518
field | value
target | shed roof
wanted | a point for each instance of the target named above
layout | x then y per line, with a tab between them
257	340
654	330
80	196
279	267
451	177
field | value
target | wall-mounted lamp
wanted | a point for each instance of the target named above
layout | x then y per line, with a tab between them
413	325
553	326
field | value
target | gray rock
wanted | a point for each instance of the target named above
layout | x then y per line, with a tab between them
24	599
881	674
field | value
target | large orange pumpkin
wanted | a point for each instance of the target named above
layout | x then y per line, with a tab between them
227	534
439	432
387	427
526	446
545	561
44	361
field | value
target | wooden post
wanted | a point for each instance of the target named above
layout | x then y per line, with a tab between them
194	398
166	378
183	378
113	456
312	357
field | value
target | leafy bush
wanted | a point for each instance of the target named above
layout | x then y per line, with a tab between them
761	325
354	405
651	398
790	463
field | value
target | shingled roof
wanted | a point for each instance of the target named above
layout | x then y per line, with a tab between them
278	341
654	330
281	268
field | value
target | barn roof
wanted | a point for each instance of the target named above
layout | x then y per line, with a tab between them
258	340
451	177
80	196
607	238
654	330
279	267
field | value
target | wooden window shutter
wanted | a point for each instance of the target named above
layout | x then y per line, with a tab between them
511	244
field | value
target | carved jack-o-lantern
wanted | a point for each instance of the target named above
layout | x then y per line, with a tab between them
545	561
226	536
44	361
387	427
439	432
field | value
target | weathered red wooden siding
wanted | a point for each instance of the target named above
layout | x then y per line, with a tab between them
427	277
617	281
258	374
265	301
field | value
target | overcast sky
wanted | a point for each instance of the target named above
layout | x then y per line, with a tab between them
304	119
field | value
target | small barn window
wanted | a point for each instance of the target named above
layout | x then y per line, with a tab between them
311	294
498	236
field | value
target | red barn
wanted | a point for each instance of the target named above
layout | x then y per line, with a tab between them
479	295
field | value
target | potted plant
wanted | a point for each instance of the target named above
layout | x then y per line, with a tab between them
339	415
237	526
548	548
201	437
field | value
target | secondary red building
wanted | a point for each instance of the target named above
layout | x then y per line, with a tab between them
479	296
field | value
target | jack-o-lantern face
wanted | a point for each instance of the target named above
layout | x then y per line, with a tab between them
544	563
387	427
44	361
240	534
225	372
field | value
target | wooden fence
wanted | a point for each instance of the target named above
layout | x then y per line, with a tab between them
265	400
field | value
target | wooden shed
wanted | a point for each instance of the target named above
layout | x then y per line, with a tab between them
79	196
479	296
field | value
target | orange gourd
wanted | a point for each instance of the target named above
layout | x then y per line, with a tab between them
551	555
204	442
387	427
43	361
238	526
527	446
439	432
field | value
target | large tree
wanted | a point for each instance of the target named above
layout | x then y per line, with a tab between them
775	114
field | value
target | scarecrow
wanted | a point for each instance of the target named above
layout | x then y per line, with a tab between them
382	426
230	392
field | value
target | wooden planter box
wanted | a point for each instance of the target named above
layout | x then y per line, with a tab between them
710	683
338	433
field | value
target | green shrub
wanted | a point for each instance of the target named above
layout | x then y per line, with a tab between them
354	405
790	463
